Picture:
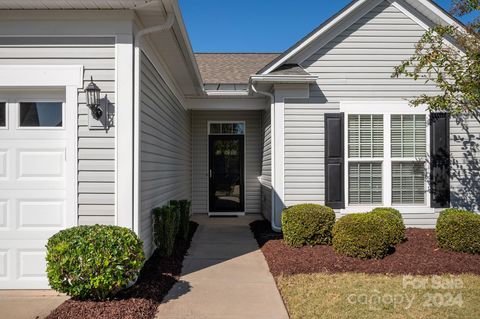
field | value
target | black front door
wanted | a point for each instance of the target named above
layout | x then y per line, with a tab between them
226	173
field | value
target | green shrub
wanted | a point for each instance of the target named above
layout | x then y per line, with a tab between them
389	209
393	222
165	227
184	219
307	224
93	262
362	236
176	208
459	230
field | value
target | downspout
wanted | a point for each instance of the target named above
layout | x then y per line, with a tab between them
275	227
136	133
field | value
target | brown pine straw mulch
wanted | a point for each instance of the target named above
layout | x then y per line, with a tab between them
419	255
139	301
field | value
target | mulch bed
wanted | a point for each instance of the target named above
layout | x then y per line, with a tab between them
419	255
139	301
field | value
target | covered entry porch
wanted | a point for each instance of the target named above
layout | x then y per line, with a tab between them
230	162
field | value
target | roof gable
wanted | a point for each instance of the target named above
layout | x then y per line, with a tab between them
425	12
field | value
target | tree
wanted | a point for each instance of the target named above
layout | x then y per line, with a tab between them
453	65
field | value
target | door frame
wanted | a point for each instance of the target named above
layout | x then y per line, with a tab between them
244	168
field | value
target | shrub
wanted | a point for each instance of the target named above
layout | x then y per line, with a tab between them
307	224
388	209
459	230
165	227
184	219
362	236
176	208
393	221
93	262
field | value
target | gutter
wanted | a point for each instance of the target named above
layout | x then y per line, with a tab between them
272	124
136	109
283	79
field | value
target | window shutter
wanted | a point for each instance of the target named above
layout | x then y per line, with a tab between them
440	159
334	160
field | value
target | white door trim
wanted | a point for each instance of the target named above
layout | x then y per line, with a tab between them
244	169
70	79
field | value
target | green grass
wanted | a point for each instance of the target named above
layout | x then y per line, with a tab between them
380	296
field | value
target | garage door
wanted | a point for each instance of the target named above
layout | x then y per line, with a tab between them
33	194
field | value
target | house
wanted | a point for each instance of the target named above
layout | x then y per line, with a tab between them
323	122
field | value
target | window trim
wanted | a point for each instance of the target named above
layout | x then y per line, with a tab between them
39	100
387	109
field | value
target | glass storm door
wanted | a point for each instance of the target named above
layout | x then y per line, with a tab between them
226	171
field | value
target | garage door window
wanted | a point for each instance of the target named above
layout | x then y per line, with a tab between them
41	114
3	115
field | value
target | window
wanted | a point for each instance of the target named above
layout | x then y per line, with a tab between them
227	128
3	114
409	145
372	161
41	114
365	153
365	183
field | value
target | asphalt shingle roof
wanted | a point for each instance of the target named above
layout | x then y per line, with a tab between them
231	68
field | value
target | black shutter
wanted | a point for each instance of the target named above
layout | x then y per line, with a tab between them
334	161
440	159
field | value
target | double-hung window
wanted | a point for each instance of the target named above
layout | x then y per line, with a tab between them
386	159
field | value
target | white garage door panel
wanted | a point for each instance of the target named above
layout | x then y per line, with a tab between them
33	199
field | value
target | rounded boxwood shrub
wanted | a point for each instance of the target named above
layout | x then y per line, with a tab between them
459	230
389	209
362	235
307	224
393	221
93	262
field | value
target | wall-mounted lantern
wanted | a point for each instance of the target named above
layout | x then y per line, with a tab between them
93	100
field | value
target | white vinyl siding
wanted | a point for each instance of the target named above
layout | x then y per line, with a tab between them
408	183
305	150
165	149
266	177
465	163
359	62
96	148
365	183
253	156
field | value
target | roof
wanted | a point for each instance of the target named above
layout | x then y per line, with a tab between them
231	68
289	69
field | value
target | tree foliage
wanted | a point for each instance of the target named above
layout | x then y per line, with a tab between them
449	57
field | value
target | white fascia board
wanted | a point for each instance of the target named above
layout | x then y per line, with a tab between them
283	78
41	75
231	104
448	19
226	93
314	36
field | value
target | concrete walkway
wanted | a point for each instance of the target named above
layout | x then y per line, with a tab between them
29	304
225	276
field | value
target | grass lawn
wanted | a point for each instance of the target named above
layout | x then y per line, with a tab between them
354	295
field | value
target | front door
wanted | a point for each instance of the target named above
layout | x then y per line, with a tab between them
226	174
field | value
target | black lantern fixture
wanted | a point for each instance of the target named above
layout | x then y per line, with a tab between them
93	99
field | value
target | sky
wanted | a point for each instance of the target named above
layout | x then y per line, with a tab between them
256	25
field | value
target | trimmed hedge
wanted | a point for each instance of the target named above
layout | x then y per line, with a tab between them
93	262
459	230
308	224
362	235
165	226
394	211
184	219
393	222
